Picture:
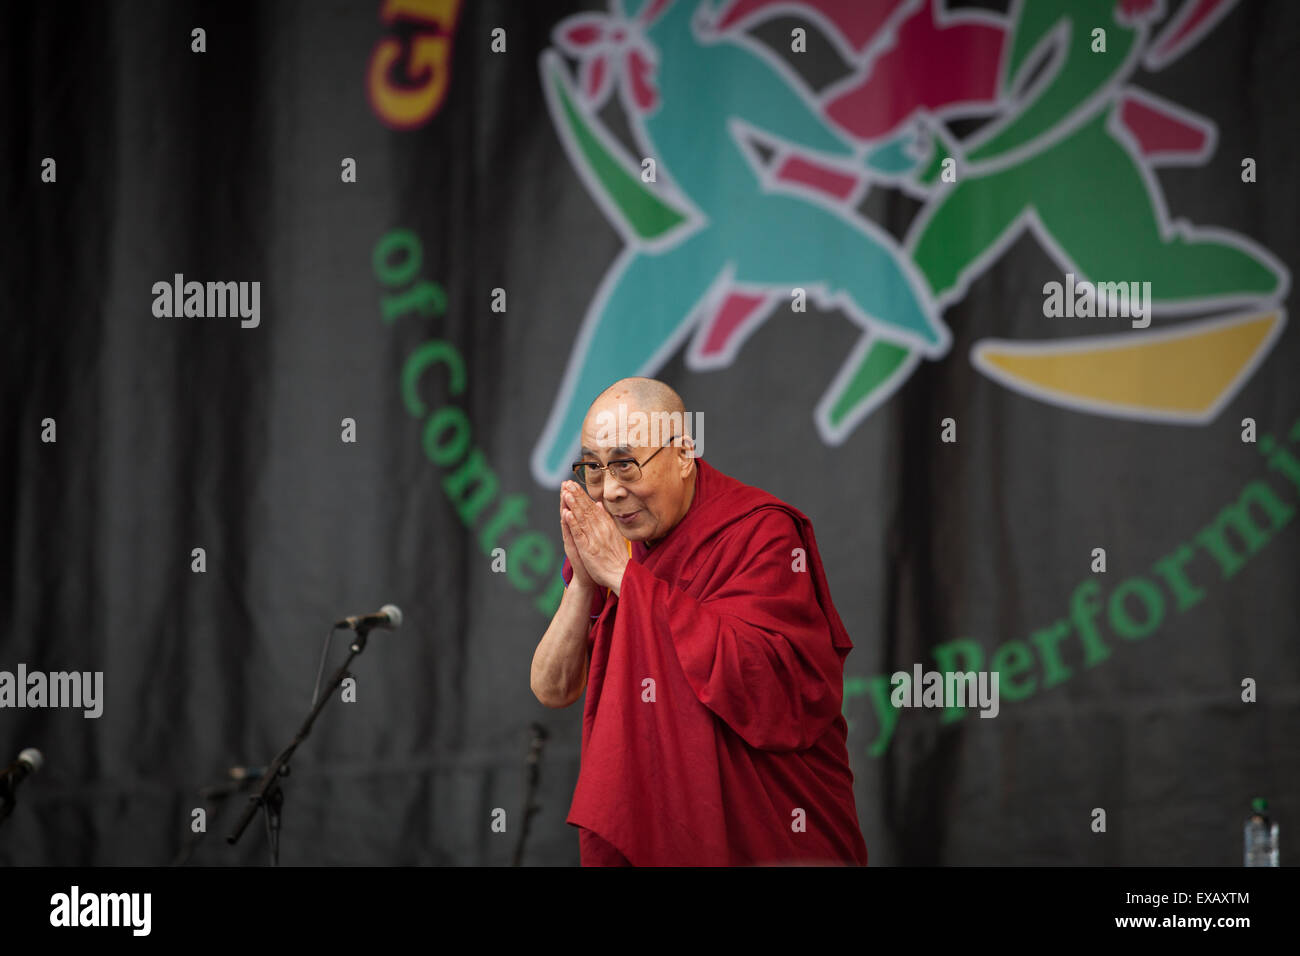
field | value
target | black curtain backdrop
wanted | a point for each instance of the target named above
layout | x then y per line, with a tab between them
176	433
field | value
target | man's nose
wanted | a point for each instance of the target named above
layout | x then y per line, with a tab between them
612	489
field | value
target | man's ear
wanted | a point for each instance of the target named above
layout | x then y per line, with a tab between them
688	445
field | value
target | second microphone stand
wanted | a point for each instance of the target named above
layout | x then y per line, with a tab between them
269	797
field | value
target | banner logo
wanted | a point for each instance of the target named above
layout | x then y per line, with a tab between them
746	184
410	67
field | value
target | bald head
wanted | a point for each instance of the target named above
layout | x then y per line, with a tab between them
649	394
644	420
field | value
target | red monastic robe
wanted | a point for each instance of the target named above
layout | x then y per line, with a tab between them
735	754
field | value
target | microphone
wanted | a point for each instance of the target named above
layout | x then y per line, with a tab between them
28	762
389	617
241	774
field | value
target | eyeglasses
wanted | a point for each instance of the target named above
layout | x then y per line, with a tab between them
624	470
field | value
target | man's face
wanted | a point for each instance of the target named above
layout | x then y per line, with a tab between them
649	507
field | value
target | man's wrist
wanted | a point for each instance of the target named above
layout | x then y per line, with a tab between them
581	589
617	586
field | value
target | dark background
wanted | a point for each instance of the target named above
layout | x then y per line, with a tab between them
183	433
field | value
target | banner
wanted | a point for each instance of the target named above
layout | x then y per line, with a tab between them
307	306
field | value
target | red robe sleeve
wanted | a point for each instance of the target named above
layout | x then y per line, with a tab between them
755	646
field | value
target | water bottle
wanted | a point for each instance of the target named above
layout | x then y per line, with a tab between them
1261	836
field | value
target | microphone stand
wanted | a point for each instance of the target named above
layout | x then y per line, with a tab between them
269	797
7	799
211	797
530	790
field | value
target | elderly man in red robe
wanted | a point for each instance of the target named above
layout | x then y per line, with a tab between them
697	617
